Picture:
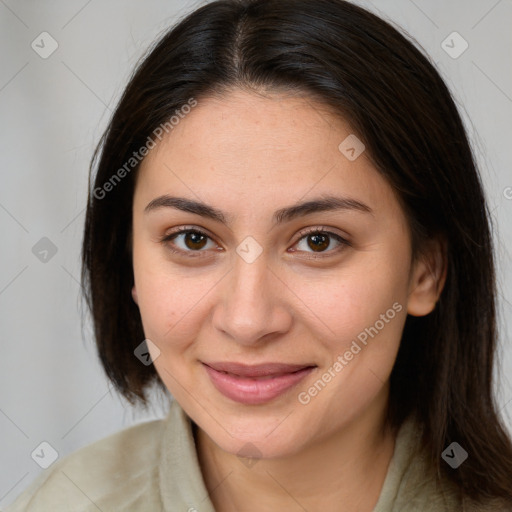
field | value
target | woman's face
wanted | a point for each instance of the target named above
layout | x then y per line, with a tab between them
323	288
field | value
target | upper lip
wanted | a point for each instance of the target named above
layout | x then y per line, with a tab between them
258	370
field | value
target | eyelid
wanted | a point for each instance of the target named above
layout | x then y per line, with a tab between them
168	236
185	229
341	239
320	229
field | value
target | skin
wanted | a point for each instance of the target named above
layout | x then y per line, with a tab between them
249	155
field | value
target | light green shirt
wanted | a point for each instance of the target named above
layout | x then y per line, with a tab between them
153	467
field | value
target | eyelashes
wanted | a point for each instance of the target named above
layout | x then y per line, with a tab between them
192	242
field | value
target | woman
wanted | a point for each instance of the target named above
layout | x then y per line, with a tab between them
287	232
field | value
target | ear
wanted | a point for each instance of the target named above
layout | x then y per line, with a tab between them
134	295
428	277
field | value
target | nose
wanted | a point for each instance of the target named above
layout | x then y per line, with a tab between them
252	306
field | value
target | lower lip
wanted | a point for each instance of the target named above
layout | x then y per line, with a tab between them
254	391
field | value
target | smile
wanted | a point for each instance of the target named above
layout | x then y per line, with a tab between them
252	385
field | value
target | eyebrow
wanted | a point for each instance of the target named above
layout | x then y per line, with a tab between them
322	204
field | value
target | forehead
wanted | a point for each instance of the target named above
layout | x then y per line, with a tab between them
243	148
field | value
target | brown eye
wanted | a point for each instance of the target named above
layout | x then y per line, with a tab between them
318	242
190	242
194	240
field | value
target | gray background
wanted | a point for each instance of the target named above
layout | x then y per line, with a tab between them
53	112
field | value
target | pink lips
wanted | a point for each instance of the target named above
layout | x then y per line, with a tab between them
255	384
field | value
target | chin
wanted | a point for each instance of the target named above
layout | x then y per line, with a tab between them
269	438
260	448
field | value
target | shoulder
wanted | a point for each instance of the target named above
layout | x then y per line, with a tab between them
114	473
416	487
410	484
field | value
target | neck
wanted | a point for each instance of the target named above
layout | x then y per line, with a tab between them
344	471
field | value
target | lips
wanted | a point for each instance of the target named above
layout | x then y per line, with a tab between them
255	384
255	371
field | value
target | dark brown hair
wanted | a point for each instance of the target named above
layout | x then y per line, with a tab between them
396	102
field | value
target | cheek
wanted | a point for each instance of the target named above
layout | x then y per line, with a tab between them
166	303
174	303
165	298
361	315
345	303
